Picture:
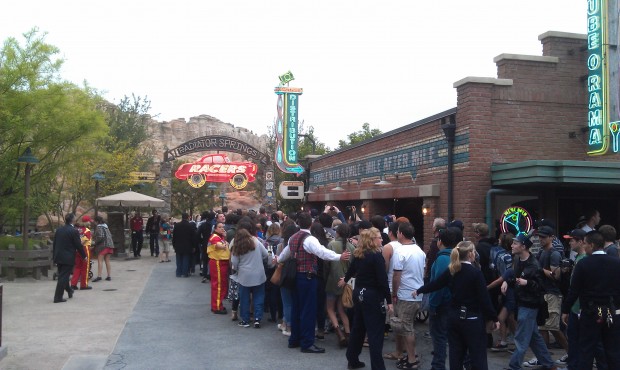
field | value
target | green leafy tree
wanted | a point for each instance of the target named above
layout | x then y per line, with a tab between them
40	110
358	136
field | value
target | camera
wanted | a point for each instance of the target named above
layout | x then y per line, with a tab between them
566	263
332	208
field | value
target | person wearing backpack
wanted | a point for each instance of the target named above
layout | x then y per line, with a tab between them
529	293
550	259
501	265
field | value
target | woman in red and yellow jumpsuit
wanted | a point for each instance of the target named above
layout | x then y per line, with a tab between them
82	266
219	256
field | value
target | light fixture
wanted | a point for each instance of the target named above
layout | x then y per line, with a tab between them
338	187
363	208
382	181
425	209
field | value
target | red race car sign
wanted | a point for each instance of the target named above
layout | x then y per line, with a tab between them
217	168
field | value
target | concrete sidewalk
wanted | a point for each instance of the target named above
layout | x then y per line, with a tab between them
146	318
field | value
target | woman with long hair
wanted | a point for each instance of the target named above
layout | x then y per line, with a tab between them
249	256
470	307
219	255
273	300
334	270
371	288
104	247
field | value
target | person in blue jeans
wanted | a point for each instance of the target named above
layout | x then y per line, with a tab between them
439	300
529	295
249	256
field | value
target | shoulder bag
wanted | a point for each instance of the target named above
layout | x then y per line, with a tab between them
288	276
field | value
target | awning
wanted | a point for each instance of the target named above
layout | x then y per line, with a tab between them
130	199
555	172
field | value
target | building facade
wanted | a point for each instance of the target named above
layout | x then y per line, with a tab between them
519	139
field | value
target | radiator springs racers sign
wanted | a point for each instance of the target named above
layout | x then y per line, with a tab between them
217	168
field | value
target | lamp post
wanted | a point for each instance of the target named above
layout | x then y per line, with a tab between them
212	187
29	160
223	197
98	176
449	130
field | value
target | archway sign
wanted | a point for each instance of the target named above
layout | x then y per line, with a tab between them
216	167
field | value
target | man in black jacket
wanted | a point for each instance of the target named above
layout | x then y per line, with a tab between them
595	283
66	243
184	243
529	295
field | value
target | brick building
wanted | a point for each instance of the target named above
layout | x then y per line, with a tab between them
519	139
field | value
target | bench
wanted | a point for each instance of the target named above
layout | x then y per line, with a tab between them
38	260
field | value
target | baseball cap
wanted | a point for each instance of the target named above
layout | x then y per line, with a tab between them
576	233
456	223
545	231
523	239
85	218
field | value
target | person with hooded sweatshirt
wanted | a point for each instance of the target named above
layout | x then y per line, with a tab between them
439	301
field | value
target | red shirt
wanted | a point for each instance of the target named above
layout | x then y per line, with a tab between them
136	223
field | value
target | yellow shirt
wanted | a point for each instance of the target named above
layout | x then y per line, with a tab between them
213	252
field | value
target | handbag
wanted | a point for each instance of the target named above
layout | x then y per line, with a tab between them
277	275
347	296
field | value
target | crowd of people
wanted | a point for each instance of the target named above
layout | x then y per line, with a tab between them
478	293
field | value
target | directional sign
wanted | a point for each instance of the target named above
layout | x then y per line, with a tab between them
292	189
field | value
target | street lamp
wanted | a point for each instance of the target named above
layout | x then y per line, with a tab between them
223	197
29	160
98	176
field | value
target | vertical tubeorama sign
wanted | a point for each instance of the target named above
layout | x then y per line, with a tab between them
286	127
600	124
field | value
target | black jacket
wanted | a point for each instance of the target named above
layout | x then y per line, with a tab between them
66	243
595	283
531	294
184	238
484	251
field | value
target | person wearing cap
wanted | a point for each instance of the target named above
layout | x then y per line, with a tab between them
82	266
137	237
595	284
549	260
528	291
577	244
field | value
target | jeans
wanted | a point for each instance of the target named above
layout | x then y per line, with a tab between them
154	244
287	304
527	335
258	296
321	310
136	242
439	333
182	264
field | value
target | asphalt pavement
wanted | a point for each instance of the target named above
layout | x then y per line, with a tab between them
146	318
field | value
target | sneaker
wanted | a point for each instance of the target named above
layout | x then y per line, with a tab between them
562	361
532	363
281	327
499	347
243	324
257	324
285	332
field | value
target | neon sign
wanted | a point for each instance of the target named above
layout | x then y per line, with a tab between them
217	168
601	129
286	130
516	220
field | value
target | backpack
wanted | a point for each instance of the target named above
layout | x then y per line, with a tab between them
499	261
